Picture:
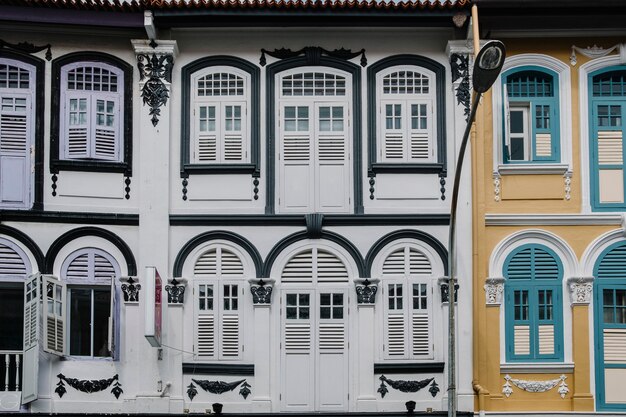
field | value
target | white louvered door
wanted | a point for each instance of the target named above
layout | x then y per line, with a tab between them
314	157
16	165
32	334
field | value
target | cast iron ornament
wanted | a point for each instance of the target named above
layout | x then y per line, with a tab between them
154	93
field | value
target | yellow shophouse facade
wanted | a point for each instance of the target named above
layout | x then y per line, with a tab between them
549	203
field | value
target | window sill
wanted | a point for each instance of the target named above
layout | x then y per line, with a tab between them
533	169
536	368
218	169
409	368
401	168
89	166
218	368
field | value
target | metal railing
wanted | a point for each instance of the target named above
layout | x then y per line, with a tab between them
11	370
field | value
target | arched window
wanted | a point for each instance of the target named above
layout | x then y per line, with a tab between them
608	110
531	114
88	323
407	296
17	133
533	304
13	261
219	287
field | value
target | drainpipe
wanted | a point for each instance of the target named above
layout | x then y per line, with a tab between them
481	392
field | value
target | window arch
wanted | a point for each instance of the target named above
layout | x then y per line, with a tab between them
219	279
406	114
533	304
91	122
89	323
531	113
14	262
220	116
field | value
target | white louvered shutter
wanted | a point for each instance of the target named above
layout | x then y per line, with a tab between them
296	153
395	319
15	142
233	128
507	121
330	268
421	320
205	320
420	131
206	127
32	323
393	122
230	320
105	122
332	157
299	269
54	312
77	126
114	322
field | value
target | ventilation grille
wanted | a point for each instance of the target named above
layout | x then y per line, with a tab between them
233	148
543	145
332	336
610	150
207	148
206	335
533	263
299	268
77	142
421	344
522	340
395	334
420	148
546	339
90	266
615	346
11	263
418	263
331	148
13	134
297	337
394	146
613	264
296	148
330	268
230	335
229	265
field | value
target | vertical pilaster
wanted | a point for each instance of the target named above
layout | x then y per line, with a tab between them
580	296
152	141
366	387
262	300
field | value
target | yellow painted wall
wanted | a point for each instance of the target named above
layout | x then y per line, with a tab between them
528	194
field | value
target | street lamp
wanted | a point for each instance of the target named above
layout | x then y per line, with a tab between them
487	67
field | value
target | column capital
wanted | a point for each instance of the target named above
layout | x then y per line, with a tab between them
261	290
130	288
494	290
176	291
366	290
580	290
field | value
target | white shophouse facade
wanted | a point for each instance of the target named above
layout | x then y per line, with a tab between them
300	197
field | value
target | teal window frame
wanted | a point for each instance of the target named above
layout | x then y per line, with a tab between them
532	103
594	102
532	279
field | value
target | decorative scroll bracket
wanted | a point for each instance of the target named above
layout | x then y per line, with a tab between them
155	60
27	48
459	64
494	291
313	54
176	291
366	290
535	386
130	289
580	290
261	290
89	386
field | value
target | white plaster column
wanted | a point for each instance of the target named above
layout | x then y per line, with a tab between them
174	293
262	299
151	144
366	388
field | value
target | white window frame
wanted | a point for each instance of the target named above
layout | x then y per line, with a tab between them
565	111
220	103
406	101
92	97
92	283
525	135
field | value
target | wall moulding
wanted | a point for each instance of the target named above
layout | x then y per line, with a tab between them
535	386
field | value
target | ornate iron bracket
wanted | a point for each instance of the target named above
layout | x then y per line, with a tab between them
218	387
27	48
366	291
407	386
261	291
176	291
155	69
459	64
130	288
89	386
445	290
313	54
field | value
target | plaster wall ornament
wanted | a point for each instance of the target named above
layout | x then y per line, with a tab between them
261	290
497	182
366	290
580	290
592	52
568	185
155	60
494	290
535	386
176	290
130	288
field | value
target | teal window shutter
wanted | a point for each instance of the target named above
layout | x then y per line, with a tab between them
533	305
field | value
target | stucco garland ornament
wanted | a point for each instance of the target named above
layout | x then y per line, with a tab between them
535	386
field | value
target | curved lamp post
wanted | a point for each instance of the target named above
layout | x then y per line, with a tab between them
487	67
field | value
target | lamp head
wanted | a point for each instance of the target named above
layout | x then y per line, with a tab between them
488	65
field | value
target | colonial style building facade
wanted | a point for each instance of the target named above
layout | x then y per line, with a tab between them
550	277
279	170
